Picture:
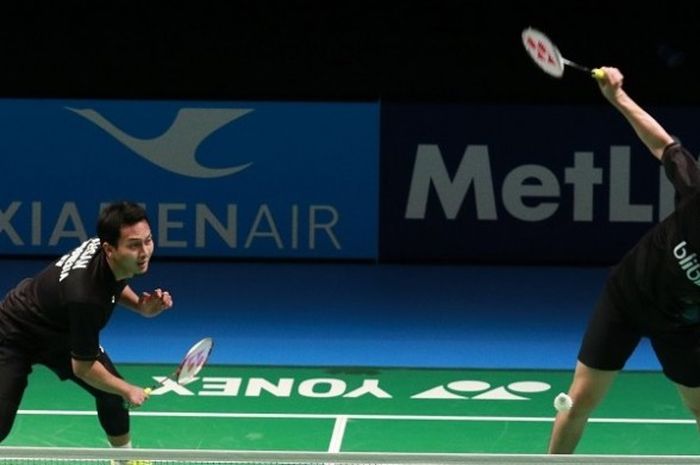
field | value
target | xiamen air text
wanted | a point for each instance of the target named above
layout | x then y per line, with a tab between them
181	225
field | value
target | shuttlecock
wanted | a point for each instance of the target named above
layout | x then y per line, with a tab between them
563	402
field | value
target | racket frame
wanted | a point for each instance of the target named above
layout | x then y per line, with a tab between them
558	61
208	342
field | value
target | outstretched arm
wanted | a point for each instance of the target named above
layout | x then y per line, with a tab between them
651	133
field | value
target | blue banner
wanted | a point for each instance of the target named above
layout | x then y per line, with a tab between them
224	179
519	184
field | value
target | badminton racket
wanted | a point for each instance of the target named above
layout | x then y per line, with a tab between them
547	56
191	364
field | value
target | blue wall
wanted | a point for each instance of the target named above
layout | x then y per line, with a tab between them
293	180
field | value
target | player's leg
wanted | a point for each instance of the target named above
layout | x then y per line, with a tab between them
113	416
588	388
14	371
111	412
679	354
691	399
607	344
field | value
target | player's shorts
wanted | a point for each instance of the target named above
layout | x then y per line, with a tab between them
16	366
612	336
14	371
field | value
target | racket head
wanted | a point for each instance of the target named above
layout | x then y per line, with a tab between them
194	360
543	52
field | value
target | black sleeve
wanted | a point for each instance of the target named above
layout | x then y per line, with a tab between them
84	331
682	170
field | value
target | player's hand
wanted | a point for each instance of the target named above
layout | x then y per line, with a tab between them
151	304
135	397
611	83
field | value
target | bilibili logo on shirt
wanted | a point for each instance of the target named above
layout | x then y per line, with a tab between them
688	262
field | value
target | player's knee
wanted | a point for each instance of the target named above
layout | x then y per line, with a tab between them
691	399
583	404
694	409
113	416
4	431
107	401
7	418
5	428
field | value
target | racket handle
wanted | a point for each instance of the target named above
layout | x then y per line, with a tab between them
597	73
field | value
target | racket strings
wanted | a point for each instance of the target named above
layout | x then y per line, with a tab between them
541	51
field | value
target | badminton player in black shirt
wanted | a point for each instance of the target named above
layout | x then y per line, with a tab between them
653	292
55	318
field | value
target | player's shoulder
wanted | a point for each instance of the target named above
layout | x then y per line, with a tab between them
674	150
80	258
77	269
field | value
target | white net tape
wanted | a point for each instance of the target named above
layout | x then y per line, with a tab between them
50	455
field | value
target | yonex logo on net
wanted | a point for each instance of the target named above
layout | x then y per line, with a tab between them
688	262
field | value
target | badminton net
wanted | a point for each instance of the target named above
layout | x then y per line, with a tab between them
107	456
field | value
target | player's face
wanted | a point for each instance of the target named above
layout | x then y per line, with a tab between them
133	251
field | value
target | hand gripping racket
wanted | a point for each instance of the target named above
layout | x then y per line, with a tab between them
546	55
191	364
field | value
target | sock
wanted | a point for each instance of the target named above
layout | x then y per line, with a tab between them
129	462
125	446
122	462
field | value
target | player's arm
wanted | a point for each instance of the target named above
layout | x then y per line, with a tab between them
148	304
651	133
85	321
97	376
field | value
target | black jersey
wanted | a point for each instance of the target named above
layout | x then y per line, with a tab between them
658	281
65	306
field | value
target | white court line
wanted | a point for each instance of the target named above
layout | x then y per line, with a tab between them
332	416
338	433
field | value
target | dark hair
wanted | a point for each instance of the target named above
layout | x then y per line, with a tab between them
116	215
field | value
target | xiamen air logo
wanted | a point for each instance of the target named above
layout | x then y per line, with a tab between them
176	149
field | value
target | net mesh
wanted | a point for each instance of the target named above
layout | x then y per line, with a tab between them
106	456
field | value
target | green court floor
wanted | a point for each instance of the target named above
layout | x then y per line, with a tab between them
362	410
